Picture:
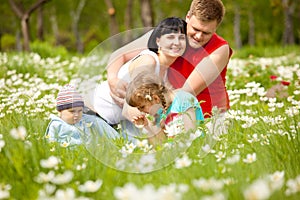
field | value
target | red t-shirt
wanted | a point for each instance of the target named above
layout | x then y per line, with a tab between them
215	94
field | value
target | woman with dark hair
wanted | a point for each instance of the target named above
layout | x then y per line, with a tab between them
166	43
166	26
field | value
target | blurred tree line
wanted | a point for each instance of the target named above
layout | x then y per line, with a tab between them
80	25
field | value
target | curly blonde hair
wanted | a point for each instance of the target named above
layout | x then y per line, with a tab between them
143	87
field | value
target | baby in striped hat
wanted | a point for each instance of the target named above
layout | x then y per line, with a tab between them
72	126
69	104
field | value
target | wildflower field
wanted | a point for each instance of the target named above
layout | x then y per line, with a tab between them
258	158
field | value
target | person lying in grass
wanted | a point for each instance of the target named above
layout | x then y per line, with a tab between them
71	126
172	111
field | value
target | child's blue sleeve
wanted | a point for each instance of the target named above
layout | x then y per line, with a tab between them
63	133
51	131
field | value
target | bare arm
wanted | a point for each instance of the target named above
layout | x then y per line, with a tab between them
117	59
207	70
156	135
189	119
142	64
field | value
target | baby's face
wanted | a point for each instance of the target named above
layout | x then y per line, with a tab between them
72	115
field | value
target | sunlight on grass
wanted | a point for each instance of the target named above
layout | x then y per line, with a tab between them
257	159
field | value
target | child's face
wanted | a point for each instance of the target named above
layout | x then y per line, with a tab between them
71	115
145	106
150	107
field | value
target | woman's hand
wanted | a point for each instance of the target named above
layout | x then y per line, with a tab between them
118	90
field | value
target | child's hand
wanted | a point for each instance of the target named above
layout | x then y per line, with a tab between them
140	121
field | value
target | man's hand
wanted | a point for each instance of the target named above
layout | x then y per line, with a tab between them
118	90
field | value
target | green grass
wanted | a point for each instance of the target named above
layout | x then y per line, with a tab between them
265	51
256	126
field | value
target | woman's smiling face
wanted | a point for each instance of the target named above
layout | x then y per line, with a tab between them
172	44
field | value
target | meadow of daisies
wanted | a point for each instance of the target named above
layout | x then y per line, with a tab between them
258	158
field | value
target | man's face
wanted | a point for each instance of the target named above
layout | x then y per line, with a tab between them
71	115
199	32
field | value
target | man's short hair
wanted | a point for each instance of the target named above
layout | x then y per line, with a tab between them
207	10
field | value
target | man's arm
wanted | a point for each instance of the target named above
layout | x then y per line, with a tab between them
207	70
119	58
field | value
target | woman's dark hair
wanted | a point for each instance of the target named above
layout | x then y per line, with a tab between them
166	26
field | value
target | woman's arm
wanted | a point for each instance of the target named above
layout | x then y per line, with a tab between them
142	64
119	58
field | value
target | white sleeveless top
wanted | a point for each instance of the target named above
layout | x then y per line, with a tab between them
102	102
124	71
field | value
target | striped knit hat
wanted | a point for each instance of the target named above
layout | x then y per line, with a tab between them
68	97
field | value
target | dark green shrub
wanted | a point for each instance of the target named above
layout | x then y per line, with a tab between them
8	42
45	49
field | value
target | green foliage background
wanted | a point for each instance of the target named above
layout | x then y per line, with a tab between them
94	27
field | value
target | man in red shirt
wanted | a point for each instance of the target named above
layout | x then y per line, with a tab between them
201	70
